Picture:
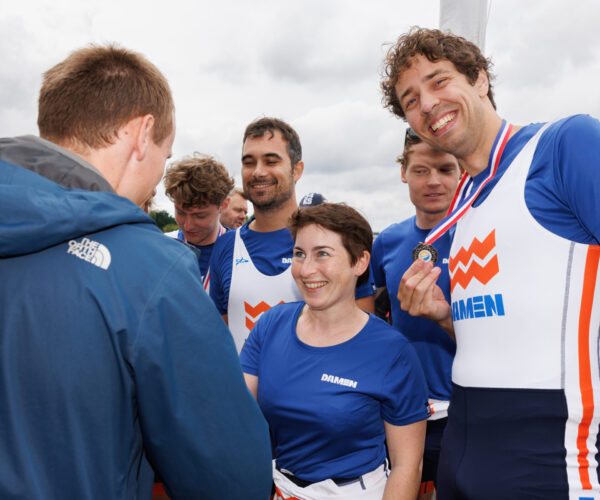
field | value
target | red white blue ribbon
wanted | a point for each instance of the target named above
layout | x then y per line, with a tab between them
463	198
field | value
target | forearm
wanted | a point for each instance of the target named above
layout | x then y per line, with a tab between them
403	483
448	326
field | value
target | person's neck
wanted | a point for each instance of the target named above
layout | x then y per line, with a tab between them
429	221
105	160
331	326
477	161
266	221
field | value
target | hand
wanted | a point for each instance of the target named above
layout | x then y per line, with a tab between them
419	295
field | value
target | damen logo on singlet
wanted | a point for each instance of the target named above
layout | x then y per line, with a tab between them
479	262
241	260
481	306
91	251
254	312
332	379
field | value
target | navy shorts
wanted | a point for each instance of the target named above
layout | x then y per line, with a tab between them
504	444
431	455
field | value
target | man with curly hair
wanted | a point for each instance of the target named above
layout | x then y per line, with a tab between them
198	187
524	279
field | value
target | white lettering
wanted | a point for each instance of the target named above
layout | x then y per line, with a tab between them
333	379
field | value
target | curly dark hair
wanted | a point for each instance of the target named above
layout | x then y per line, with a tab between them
356	233
197	181
434	45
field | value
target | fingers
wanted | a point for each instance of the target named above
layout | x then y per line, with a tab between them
423	303
411	280
416	290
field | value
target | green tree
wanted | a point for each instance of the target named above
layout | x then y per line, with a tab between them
163	219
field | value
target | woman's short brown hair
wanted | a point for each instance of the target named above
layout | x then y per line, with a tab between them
435	45
88	97
355	231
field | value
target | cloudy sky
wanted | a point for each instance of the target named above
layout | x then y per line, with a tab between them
314	64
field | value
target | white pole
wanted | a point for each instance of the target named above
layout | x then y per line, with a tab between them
466	18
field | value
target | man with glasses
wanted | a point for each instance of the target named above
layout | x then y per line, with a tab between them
432	177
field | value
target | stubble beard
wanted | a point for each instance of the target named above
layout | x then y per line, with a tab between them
275	203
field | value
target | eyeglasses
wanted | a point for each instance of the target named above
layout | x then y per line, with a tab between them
410	134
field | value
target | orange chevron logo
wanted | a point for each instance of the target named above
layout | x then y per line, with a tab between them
481	250
255	312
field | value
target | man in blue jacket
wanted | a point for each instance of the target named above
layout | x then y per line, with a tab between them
113	360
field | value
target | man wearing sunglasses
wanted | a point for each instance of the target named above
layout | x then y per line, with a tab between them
523	420
432	177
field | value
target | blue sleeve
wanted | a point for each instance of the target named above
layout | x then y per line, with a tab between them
250	355
579	171
378	273
202	429
563	185
220	272
366	289
406	389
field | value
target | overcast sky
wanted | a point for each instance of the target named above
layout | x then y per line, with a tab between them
314	64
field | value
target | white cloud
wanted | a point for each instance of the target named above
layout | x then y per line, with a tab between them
313	63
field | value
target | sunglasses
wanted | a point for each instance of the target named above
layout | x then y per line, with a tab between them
410	134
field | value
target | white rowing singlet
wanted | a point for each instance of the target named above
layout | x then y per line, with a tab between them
526	311
251	292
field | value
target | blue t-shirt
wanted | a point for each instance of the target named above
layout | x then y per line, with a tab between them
392	256
271	253
562	190
202	252
326	405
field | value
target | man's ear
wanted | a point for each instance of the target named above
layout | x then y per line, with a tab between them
403	175
482	84
298	169
143	135
225	204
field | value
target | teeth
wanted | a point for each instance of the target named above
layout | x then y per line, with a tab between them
440	123
315	285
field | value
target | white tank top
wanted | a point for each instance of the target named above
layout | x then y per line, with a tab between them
251	292
526	308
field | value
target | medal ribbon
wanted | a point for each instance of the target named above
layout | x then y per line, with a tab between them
463	199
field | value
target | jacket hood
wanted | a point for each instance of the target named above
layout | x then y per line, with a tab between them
36	213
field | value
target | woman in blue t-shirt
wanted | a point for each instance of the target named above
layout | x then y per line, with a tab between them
334	382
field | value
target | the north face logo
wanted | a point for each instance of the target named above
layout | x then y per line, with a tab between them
479	262
90	251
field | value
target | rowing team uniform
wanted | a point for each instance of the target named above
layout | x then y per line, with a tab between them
524	416
392	256
203	252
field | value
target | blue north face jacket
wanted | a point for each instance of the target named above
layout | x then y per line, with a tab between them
113	360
